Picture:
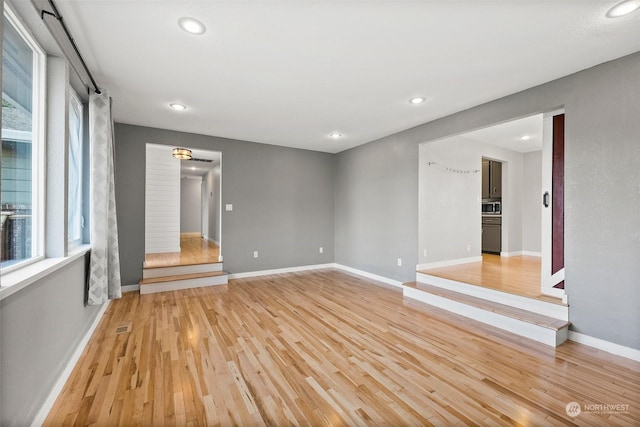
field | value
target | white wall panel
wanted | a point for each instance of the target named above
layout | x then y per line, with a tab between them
162	200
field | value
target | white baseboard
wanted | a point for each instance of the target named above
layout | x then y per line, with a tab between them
520	253
41	416
316	267
447	263
609	347
279	271
369	275
130	288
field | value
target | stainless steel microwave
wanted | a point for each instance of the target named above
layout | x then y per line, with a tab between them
491	208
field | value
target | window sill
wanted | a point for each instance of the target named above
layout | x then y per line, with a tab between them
17	280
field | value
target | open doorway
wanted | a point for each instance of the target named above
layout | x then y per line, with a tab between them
481	220
182	208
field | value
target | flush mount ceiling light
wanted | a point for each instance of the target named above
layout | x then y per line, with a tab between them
191	25
525	138
178	107
182	153
335	135
623	8
417	100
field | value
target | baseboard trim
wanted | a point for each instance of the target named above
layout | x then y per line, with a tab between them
609	347
41	416
368	275
279	271
130	288
447	263
521	253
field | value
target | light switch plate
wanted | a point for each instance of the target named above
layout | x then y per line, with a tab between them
228	207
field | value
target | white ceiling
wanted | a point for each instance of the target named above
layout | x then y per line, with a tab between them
507	135
291	72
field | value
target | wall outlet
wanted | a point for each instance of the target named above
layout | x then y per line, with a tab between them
468	248
424	253
321	250
228	207
399	262
255	254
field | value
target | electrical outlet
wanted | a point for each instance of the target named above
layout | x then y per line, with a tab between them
468	248
321	250
424	253
228	207
255	254
399	262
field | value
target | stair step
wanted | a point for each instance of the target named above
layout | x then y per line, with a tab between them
163	279
183	281
544	329
176	270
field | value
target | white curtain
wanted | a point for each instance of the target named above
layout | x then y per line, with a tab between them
104	276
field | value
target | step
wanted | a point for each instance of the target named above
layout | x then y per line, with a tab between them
183	281
544	329
176	270
550	307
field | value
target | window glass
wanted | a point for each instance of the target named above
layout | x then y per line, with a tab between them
76	220
19	167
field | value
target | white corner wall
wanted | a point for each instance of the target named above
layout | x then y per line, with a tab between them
162	200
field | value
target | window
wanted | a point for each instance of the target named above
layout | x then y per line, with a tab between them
21	170
76	220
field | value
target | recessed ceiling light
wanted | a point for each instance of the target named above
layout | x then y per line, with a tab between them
525	138
417	100
623	8
335	135
179	107
191	25
193	168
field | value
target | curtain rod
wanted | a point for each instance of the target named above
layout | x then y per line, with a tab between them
57	15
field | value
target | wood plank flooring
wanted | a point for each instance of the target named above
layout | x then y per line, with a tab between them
193	250
518	275
327	348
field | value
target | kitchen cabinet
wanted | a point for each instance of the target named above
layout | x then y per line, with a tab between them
492	234
491	179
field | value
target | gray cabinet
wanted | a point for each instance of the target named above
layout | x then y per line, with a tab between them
492	234
491	179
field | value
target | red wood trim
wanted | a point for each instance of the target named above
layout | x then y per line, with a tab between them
557	193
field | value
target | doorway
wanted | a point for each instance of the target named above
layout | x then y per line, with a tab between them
454	205
182	207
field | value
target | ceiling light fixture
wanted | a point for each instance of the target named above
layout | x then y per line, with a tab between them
623	8
525	137
335	135
182	153
191	25
178	107
417	100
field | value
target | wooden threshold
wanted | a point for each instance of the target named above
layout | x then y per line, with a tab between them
163	279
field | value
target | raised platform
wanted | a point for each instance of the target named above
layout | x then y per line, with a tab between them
183	281
545	321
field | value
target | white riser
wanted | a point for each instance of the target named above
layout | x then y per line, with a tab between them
152	288
557	311
524	329
150	273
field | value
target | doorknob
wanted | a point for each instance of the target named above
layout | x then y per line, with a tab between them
545	199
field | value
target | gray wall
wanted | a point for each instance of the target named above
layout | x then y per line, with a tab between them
532	202
212	182
282	201
40	328
190	205
376	207
376	192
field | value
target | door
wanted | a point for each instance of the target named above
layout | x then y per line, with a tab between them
552	201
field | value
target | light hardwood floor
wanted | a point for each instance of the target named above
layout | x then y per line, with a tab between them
327	348
193	250
518	274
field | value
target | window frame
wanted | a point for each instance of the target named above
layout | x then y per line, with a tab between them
38	140
75	243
